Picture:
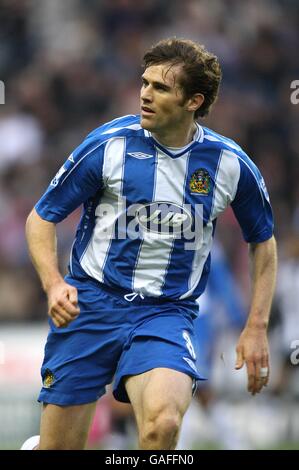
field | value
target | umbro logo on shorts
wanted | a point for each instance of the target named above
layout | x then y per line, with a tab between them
190	363
140	155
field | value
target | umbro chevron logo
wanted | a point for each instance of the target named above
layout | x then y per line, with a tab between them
140	155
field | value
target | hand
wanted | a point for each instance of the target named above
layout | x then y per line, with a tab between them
253	350
62	303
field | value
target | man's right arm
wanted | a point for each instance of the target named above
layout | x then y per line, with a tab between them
62	297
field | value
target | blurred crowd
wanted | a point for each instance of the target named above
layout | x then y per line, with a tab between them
68	66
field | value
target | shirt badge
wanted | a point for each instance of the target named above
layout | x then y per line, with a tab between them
200	182
48	378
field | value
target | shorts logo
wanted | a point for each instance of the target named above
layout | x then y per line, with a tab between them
190	363
48	379
200	182
189	344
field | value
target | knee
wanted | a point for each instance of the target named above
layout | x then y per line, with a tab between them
160	430
53	445
58	446
60	443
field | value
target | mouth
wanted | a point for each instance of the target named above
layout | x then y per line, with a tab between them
146	110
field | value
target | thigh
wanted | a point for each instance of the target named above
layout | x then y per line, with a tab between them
65	427
154	391
164	341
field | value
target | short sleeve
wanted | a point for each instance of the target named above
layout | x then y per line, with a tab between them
79	178
251	204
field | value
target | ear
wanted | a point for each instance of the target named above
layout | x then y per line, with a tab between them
195	102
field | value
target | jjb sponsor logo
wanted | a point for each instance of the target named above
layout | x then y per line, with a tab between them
154	220
164	217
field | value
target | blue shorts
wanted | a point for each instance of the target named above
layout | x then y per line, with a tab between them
111	339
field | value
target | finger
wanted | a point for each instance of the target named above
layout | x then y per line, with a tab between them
57	309
63	317
259	381
57	319
73	296
240	360
251	377
265	365
69	308
56	322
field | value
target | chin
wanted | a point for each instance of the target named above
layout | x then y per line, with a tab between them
146	124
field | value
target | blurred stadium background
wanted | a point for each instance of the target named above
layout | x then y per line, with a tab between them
69	66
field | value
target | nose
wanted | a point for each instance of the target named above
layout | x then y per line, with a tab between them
146	94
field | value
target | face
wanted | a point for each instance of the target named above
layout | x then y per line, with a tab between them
163	106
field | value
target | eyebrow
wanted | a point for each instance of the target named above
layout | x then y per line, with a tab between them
156	83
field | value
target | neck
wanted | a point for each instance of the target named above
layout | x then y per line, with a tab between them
178	138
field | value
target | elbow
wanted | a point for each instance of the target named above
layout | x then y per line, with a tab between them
35	222
264	254
28	224
30	219
30	216
271	246
268	245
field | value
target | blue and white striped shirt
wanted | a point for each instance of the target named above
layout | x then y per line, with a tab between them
132	187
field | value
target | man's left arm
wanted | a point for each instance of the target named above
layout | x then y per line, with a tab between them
252	348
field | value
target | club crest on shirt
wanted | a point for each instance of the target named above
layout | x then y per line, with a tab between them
200	182
48	378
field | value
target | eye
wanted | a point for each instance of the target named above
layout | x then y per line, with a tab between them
161	87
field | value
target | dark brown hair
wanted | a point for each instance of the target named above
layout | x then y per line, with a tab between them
201	72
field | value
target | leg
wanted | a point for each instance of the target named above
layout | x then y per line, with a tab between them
65	427
160	398
79	362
